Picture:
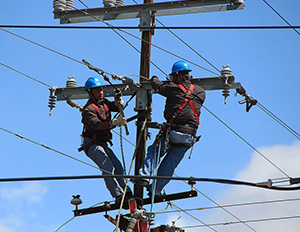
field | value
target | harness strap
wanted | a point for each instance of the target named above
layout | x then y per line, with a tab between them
103	117
186	100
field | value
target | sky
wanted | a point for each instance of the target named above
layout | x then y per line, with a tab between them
265	62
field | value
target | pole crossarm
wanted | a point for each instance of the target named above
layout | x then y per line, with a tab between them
135	11
211	83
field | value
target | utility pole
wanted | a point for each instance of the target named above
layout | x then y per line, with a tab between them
144	72
147	13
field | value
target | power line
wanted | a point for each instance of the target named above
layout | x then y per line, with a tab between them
213	180
293	132
25	75
218	205
157	27
197	219
250	145
158	47
282	17
235	205
246	221
49	49
44	146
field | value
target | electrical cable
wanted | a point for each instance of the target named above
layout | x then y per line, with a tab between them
213	180
188	46
281	17
158	28
49	49
25	75
246	221
245	141
109	25
218	205
234	205
279	120
51	149
197	219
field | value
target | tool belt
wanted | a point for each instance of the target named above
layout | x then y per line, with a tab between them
186	129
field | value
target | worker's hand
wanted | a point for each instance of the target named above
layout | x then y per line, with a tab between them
121	121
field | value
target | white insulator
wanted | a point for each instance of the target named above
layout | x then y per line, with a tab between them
59	5
131	225
71	82
119	2
109	3
69	4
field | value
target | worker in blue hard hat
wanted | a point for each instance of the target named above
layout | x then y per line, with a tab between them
182	111
96	118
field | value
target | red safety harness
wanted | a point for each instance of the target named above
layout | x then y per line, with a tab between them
188	99
104	116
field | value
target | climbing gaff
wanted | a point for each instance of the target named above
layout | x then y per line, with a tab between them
117	92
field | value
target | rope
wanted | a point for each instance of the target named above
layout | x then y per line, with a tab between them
126	180
121	148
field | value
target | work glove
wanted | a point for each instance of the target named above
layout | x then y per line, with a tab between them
121	121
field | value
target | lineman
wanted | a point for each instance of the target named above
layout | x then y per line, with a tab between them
96	118
182	111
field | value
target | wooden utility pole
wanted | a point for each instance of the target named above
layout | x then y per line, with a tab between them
144	72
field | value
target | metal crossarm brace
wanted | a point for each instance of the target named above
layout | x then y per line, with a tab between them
134	11
147	201
213	83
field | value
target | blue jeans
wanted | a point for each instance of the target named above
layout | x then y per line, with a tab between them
109	164
173	154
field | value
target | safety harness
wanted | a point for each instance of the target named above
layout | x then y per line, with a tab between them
188	99
103	136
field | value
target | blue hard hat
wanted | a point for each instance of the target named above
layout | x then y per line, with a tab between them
92	82
180	66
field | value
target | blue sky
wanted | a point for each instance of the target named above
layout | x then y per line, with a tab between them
265	62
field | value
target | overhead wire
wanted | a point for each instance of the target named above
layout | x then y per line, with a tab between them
49	148
173	54
156	27
218	205
281	17
244	140
234	205
25	75
293	132
197	219
40	45
246	221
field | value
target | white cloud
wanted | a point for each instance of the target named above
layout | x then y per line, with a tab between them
32	192
15	201
287	158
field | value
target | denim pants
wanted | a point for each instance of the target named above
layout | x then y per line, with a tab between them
109	164
173	154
